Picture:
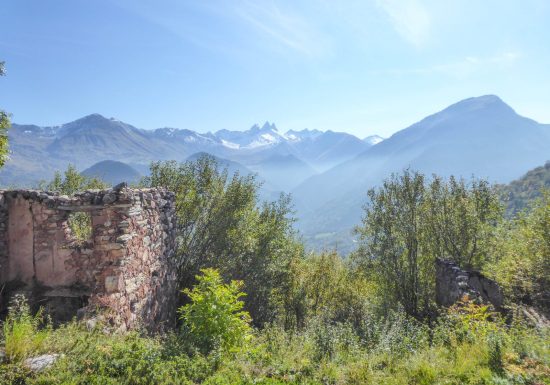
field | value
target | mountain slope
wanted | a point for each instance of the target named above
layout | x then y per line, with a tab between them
113	172
519	193
328	149
94	134
478	136
284	171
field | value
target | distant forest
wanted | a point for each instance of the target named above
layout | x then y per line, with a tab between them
518	194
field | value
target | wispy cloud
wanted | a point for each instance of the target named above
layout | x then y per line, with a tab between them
268	25
471	64
460	68
283	27
410	19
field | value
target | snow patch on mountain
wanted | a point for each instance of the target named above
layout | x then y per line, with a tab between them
233	146
297	136
373	139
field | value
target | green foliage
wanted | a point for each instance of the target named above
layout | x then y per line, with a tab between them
521	263
322	320
70	183
519	194
112	360
4	125
222	225
461	219
80	224
21	334
393	241
334	355
467	346
409	222
325	285
215	317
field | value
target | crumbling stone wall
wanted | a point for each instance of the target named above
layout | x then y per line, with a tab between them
452	283
126	266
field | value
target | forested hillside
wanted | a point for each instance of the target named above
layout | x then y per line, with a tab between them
518	194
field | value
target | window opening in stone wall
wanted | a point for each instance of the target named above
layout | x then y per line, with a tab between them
80	224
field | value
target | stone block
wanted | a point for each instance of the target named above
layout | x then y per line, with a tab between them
113	283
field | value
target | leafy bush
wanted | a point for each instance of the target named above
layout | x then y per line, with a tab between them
4	125
324	285
215	317
521	263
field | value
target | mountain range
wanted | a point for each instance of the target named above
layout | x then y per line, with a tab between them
282	159
328	173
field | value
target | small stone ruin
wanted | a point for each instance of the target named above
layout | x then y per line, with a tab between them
453	283
124	268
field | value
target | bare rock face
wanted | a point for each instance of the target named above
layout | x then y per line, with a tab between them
125	267
452	283
39	363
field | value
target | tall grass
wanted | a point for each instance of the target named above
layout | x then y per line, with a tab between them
21	332
467	346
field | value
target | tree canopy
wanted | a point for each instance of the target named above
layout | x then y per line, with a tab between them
222	224
4	125
410	221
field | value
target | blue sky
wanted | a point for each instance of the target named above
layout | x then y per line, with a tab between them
365	67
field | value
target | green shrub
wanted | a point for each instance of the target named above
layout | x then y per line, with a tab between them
96	358
521	263
215	317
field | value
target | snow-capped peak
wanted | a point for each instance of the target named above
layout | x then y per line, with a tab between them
256	136
373	139
297	136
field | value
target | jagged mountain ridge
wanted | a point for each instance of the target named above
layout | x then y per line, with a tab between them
38	151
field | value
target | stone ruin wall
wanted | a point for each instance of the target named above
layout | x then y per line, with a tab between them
453	283
125	267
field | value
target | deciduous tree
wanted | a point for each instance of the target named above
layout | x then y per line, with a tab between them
223	225
410	221
4	125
